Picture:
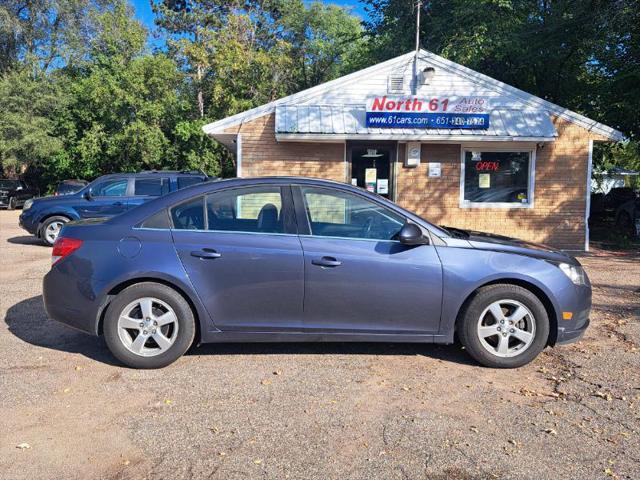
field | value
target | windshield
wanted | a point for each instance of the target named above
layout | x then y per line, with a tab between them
69	187
8	183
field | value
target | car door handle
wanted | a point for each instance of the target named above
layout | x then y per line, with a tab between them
118	204
206	253
326	262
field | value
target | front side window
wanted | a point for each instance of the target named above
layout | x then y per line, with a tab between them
256	209
8	184
151	187
110	188
334	213
497	177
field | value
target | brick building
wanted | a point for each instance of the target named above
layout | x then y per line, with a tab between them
455	146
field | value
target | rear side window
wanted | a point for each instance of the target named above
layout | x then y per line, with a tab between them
151	187
158	220
189	215
188	181
256	209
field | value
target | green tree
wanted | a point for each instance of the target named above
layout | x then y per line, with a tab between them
27	135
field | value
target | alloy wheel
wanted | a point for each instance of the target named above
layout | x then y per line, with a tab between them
506	328
52	231
148	327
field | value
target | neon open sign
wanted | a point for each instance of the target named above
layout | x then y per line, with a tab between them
487	166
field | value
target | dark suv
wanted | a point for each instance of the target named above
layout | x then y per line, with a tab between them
106	196
14	193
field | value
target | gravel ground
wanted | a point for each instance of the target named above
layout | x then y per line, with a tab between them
326	411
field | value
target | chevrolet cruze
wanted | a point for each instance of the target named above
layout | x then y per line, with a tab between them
299	260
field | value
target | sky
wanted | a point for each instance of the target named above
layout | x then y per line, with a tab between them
145	15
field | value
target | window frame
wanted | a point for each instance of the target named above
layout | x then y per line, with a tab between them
531	149
289	224
304	222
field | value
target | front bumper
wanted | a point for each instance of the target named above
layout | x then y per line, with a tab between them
570	336
27	222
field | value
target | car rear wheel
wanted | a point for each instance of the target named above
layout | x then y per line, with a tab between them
149	325
51	229
504	326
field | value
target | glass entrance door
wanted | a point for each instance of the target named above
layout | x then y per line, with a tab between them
371	167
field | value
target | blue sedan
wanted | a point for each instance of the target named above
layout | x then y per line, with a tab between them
293	260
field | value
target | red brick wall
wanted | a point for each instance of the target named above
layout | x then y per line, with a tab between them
557	218
263	156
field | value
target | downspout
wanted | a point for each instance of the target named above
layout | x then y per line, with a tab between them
588	196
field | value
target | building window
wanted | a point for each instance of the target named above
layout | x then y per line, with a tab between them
496	178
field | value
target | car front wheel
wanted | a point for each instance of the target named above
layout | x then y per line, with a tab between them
149	325
51	229
504	326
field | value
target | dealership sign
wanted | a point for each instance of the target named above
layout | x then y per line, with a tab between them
428	112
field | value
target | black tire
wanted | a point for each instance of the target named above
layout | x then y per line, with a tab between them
45	225
185	319
467	326
12	203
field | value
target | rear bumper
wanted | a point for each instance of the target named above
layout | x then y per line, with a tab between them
70	300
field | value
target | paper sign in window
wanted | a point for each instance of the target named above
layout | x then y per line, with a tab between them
484	180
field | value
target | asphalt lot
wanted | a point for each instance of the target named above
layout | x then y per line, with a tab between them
325	411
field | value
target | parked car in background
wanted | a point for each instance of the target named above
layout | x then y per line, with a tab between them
628	217
621	205
294	259
67	187
14	193
105	197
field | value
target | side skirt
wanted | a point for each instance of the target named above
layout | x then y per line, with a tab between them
262	337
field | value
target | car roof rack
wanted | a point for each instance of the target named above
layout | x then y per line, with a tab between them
185	172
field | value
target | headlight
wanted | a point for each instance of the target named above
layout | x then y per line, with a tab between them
27	204
574	272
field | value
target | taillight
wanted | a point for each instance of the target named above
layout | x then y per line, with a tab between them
63	247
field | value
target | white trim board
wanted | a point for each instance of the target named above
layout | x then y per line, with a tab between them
323	137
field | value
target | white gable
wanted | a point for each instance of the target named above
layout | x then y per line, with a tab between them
450	79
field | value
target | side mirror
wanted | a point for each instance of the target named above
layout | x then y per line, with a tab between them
411	234
87	194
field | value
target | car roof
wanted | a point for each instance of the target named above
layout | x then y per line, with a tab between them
143	211
151	173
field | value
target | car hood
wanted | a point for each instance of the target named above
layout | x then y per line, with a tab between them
500	243
57	199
